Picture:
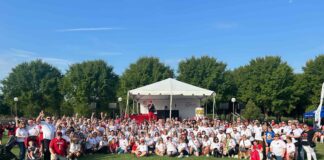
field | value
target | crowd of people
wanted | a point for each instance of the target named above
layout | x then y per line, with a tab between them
61	138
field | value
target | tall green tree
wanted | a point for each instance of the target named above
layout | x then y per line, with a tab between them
208	73
144	71
268	82
36	84
251	111
314	78
89	86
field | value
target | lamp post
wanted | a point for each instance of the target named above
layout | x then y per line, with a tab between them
16	101
233	101
120	99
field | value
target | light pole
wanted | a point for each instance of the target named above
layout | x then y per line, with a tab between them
16	101
120	99
233	100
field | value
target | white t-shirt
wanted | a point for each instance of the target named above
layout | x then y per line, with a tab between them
143	148
160	147
33	130
290	148
215	146
74	147
194	143
245	144
182	146
171	147
206	143
258	133
48	130
21	134
103	143
278	147
123	143
296	132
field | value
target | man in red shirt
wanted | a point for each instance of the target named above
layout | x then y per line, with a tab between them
58	147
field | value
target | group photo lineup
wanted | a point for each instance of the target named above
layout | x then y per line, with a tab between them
162	79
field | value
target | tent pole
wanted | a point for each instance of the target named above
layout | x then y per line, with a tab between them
127	102
133	106
136	107
170	114
214	102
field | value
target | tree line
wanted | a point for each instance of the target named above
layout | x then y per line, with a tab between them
266	85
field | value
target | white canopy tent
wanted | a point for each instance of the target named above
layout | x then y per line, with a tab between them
170	88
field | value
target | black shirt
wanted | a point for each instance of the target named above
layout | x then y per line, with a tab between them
307	137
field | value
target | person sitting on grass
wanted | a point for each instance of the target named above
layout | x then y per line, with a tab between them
142	149
171	147
90	144
33	152
103	145
216	148
113	146
183	148
75	149
194	146
160	147
206	146
123	144
134	146
244	146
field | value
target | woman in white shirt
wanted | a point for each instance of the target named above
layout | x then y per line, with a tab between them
206	146
194	146
160	147
215	148
21	134
183	148
244	147
171	147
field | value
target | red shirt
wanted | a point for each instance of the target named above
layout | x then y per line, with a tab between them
59	146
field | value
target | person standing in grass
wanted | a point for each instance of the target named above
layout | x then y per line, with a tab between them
48	131
308	142
21	134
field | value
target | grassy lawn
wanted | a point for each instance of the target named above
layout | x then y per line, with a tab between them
319	151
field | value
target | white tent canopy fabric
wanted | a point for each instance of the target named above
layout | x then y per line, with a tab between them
170	88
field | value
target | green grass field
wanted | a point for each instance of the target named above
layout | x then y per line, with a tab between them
319	151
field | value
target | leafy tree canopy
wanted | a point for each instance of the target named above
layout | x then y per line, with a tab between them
90	83
36	84
144	71
268	82
207	72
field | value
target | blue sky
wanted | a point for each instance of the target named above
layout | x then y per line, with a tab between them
234	31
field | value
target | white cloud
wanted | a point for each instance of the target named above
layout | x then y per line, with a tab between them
87	29
290	1
12	57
